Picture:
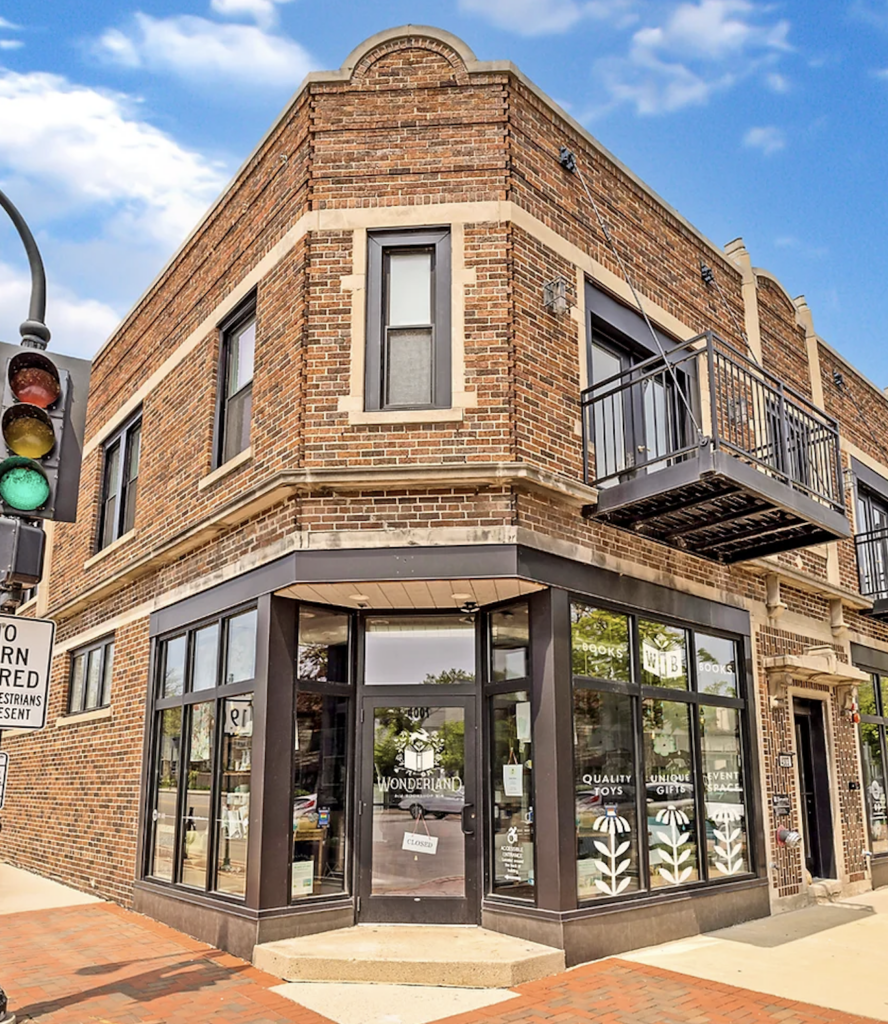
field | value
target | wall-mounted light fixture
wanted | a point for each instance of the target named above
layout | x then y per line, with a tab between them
556	296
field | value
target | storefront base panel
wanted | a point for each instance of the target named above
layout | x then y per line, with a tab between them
599	932
236	929
880	871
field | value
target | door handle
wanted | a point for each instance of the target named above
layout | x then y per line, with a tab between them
468	820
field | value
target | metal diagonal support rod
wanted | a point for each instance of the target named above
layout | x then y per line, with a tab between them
34	332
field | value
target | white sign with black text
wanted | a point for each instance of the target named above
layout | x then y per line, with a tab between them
25	660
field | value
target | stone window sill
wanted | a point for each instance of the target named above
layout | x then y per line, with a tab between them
408	416
110	549
82	717
227	467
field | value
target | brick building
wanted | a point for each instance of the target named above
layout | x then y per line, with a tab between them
429	568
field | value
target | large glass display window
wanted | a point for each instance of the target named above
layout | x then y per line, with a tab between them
873	702
659	721
202	744
321	753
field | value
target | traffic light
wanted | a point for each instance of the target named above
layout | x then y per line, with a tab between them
42	419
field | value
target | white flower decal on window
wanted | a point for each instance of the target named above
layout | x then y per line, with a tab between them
730	854
614	826
672	857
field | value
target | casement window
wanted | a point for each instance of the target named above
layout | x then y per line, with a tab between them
202	749
90	683
408	320
236	375
659	754
120	481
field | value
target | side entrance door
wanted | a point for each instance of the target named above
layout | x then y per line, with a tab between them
417	816
820	857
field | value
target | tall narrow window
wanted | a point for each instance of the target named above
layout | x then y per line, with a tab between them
91	669
236	398
120	481
408	321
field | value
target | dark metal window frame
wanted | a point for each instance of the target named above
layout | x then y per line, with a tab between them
122	437
694	699
380	244
346	691
186	700
228	329
103	647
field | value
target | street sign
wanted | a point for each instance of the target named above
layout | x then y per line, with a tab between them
25	660
4	764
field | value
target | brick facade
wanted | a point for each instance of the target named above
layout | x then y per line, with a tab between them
412	135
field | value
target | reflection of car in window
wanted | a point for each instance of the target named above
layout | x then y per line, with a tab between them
440	804
303	806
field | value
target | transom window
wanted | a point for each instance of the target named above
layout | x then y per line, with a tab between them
408	320
659	755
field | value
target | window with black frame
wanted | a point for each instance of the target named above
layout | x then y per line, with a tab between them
658	753
511	871
236	394
408	320
320	753
873	703
120	479
202	742
91	670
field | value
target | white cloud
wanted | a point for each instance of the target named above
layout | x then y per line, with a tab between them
546	17
78	326
777	82
95	151
198	49
696	49
11	44
263	12
8	24
881	73
768	138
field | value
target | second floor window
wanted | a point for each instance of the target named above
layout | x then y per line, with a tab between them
120	482
91	669
408	320
236	397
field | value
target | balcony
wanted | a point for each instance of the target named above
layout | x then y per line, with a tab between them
872	569
705	451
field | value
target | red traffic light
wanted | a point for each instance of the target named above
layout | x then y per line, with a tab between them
34	379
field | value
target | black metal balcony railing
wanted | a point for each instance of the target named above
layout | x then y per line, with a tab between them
872	563
656	438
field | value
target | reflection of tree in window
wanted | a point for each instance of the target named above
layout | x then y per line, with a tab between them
600	643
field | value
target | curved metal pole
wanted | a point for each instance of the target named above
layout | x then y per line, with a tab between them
34	332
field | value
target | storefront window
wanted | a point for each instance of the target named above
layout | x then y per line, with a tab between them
664	655
419	649
323	646
669	793
512	803
319	795
600	643
201	820
872	699
722	757
510	642
233	822
606	794
634	747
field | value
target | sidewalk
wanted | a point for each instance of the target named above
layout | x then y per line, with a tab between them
94	963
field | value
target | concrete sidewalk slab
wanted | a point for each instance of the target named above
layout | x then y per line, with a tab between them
22	890
389	1004
825	954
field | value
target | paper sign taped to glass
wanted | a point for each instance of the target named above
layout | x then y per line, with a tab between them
303	877
513	779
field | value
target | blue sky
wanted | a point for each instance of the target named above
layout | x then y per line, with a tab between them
120	124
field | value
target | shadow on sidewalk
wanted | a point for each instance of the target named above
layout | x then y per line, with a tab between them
162	982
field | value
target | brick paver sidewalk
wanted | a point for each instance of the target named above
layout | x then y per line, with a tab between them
102	965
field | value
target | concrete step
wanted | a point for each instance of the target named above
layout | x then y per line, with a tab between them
410	955
825	890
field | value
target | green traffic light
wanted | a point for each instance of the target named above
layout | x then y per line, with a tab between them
23	485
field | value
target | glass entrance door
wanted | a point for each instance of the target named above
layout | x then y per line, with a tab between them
418	813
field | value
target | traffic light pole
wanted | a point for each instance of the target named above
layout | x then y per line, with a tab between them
35	334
